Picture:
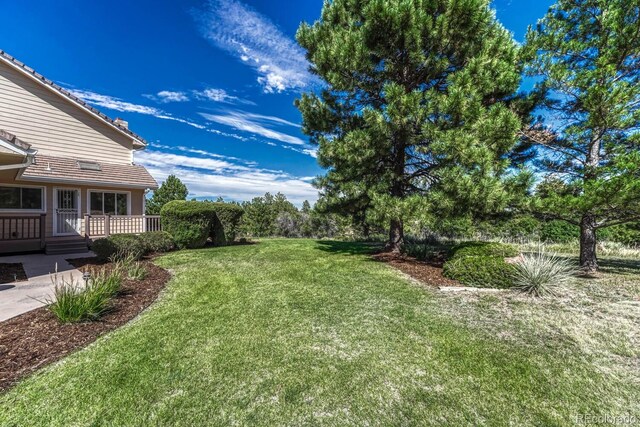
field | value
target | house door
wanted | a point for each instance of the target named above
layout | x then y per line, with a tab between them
67	212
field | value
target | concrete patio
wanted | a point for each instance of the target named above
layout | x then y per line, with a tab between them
19	297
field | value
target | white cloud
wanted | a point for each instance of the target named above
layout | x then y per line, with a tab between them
220	95
254	123
113	103
313	152
165	96
201	152
211	177
236	28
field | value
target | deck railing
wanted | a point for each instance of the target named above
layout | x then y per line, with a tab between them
24	227
106	225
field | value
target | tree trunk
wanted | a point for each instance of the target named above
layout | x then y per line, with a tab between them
396	236
396	229
588	259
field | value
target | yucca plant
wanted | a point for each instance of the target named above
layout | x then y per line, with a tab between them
539	273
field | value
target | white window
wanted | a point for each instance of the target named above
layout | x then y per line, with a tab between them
22	198
108	203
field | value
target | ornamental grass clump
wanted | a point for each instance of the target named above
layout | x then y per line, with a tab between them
126	265
74	303
540	273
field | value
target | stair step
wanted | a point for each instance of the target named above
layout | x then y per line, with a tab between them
66	244
66	247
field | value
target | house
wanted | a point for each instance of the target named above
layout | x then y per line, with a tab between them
67	173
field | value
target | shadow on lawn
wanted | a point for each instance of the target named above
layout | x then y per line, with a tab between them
351	248
619	266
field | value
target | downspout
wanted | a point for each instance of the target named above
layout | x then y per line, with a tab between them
31	154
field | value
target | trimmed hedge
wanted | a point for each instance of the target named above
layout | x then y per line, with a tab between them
483	249
225	225
135	245
158	241
480	271
192	222
481	264
121	245
189	222
103	248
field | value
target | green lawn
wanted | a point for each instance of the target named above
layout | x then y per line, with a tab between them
299	332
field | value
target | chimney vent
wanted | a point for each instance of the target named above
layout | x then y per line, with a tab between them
121	123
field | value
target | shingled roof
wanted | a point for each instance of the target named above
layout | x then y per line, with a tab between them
14	140
68	170
65	93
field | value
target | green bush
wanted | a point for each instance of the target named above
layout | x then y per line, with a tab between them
104	248
157	241
119	246
486	249
559	231
128	245
225	225
480	271
189	222
522	227
625	234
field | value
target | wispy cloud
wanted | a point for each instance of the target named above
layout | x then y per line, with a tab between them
191	150
219	175
255	40
258	125
113	103
165	96
255	124
310	151
220	95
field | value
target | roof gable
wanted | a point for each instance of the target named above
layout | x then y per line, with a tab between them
65	94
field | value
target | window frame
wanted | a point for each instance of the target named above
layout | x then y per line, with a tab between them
43	191
128	193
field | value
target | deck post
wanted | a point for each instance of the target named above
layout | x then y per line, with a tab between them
107	225
87	227
43	230
144	223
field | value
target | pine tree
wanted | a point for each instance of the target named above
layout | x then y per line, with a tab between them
171	189
587	55
412	106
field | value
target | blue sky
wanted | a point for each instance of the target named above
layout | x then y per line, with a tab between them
209	84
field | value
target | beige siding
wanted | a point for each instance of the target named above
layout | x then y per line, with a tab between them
53	125
7	177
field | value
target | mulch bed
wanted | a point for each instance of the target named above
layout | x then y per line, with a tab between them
37	338
12	273
427	272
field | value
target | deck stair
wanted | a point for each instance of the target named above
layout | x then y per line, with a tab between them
66	246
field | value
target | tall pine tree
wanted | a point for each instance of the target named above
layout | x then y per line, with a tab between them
412	105
587	56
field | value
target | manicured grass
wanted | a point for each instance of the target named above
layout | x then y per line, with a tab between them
299	332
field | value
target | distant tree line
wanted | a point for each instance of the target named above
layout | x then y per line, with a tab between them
275	216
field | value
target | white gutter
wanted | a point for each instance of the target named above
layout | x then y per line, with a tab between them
31	154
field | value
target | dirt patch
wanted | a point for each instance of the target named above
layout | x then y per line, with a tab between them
10	273
427	272
37	338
